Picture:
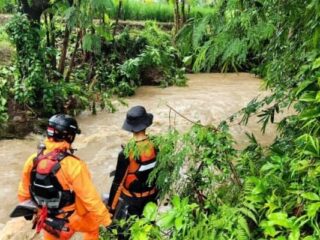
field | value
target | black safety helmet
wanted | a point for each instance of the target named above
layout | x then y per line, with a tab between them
62	127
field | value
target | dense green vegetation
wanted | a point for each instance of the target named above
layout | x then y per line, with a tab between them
8	6
214	190
68	60
217	192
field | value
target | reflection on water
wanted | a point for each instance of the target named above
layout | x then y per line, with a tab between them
209	98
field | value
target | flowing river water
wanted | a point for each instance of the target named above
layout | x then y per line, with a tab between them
208	98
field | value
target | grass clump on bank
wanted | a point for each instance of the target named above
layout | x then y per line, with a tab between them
162	12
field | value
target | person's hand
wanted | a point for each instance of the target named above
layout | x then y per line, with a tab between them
58	228
28	217
110	210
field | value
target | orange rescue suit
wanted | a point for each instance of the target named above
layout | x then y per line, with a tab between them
89	210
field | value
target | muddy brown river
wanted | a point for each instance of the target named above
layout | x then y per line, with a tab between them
208	98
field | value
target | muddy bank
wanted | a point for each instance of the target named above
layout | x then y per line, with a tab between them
17	128
6	49
209	98
4	18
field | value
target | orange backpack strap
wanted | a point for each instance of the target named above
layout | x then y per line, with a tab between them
118	193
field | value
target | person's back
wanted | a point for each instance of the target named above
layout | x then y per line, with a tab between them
142	160
130	183
60	184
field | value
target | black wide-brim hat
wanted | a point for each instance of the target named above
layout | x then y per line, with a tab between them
137	119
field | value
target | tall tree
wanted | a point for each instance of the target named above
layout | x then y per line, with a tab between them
34	9
176	15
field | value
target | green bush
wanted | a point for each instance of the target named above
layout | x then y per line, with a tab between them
4	94
260	192
152	60
8	6
32	86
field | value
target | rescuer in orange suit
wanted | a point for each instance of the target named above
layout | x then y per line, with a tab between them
60	185
130	183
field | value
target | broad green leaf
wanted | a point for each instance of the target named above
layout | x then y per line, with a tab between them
178	222
140	236
176	201
259	188
310	113
187	60
150	211
280	219
281	238
268	229
308	96
303	86
295	234
310	196
309	238
316	64
167	220
313	146
318	97
268	166
313	209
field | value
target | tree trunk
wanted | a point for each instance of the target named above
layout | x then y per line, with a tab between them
64	50
51	56
53	41
91	69
79	36
183	12
117	20
47	30
34	9
176	16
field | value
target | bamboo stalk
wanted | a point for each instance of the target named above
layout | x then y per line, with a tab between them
79	36
64	50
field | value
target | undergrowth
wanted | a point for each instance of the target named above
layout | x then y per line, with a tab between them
217	192
103	69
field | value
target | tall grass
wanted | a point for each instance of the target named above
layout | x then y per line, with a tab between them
162	12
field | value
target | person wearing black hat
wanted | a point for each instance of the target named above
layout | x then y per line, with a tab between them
130	182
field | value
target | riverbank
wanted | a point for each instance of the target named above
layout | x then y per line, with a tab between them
208	98
6	49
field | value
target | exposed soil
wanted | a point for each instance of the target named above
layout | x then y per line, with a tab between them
6	50
6	53
4	18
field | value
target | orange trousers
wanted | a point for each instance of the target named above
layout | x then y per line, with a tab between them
84	224
86	236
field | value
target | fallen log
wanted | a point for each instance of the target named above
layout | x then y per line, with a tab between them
141	24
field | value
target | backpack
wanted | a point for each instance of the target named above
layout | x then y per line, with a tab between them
45	189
